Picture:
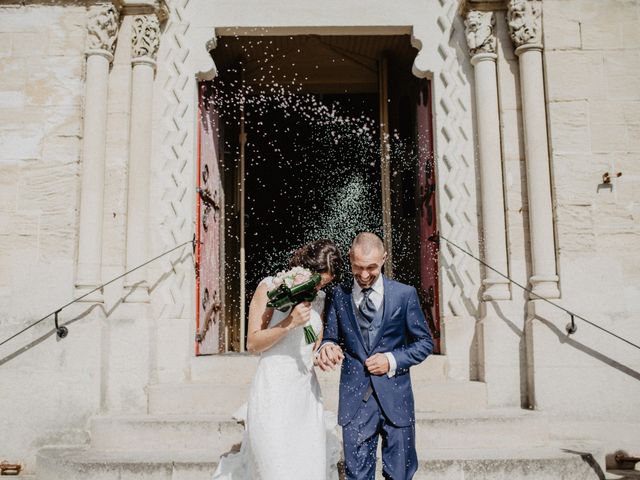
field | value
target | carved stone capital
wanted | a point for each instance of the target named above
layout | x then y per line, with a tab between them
479	30
102	30
145	40
523	18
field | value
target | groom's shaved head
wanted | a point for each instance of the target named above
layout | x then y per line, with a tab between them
367	242
367	257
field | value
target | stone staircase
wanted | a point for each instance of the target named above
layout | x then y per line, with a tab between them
189	425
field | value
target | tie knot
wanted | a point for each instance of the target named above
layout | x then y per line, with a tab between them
367	291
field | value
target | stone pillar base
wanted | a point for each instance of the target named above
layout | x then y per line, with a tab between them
501	355
496	289
546	286
460	346
128	351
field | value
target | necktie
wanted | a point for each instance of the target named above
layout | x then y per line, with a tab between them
367	308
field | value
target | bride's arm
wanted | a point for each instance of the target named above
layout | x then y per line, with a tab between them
259	336
319	340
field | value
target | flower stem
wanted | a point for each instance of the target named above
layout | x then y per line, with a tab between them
309	334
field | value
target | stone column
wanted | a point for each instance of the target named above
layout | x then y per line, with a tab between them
101	39
523	17
482	48
145	43
498	346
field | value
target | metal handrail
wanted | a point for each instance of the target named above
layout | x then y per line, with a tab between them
571	328
63	331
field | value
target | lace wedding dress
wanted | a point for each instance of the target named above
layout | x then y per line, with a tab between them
288	435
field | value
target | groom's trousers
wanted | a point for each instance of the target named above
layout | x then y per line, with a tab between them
360	438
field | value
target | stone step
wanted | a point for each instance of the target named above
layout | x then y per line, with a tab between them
497	428
552	462
73	463
189	398
218	434
224	399
541	463
238	369
446	396
214	433
228	368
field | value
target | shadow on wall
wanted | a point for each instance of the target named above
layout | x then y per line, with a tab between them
107	313
565	339
48	334
522	350
471	310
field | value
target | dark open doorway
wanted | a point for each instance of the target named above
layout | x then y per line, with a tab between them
306	180
320	137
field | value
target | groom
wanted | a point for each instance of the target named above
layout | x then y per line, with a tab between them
378	330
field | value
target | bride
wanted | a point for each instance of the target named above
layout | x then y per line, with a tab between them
286	433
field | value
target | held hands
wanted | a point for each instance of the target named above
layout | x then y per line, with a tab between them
377	364
300	315
329	357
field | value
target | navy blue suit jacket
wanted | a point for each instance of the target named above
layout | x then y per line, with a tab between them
404	333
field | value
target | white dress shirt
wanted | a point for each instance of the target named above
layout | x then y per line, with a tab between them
377	296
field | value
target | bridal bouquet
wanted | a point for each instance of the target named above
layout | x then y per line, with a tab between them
291	288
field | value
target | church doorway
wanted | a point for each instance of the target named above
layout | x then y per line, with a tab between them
306	137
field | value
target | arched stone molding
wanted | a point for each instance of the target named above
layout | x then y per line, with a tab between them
523	17
184	58
445	63
102	30
454	151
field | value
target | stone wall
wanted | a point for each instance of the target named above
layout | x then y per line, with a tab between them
113	350
592	64
49	387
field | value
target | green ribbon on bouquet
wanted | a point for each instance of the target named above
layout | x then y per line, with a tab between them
310	334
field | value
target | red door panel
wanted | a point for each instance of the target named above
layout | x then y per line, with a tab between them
428	224
208	230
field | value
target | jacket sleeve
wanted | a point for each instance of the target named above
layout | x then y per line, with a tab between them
330	334
419	341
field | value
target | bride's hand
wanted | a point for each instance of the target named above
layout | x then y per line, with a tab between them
329	357
300	315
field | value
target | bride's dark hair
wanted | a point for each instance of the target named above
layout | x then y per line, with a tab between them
319	257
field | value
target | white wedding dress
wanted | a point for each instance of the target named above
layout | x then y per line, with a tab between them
288	435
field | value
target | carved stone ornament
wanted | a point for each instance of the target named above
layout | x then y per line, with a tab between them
523	17
479	32
146	36
102	28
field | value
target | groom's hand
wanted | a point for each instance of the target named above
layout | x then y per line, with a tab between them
330	356
377	364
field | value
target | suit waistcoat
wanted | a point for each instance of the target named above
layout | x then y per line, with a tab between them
368	330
